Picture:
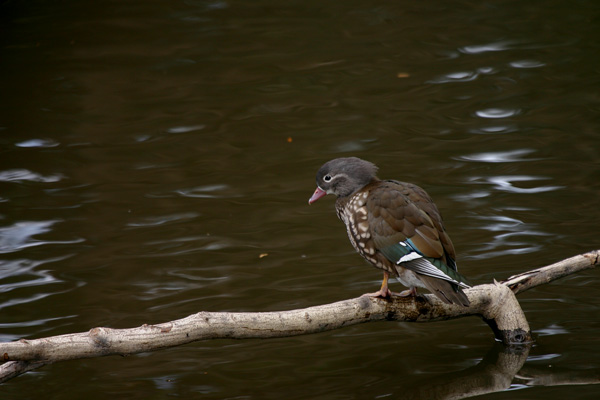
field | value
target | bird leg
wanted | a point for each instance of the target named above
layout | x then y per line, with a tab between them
384	291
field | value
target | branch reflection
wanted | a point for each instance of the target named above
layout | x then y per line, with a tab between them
501	368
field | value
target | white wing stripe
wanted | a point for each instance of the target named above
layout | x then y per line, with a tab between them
426	268
409	257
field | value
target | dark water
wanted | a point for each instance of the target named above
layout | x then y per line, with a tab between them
151	152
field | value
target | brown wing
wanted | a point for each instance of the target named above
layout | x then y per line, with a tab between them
407	228
399	211
395	225
423	201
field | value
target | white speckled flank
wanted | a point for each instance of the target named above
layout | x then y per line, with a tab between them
363	226
355	217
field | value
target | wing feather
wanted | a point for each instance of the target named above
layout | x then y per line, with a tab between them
407	229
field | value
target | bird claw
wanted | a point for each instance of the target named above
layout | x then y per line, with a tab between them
387	294
383	294
412	292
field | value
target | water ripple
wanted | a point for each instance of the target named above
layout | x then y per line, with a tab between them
510	237
352	146
18	276
505	183
465	76
217	191
485	48
497	112
37	322
494	129
20	235
23	268
462	76
37	143
185	129
19	175
500	156
522	64
468	197
155	290
551	330
163	219
187	245
543	357
23	300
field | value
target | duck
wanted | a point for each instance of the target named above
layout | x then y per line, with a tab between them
396	227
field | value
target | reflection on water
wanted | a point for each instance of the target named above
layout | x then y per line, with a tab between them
19	236
162	168
495	129
484	48
527	64
185	129
553	329
511	236
37	143
497	113
24	269
208	191
25	281
163	219
462	76
500	156
505	184
19	175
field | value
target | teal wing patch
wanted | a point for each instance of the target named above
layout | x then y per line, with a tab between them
408	256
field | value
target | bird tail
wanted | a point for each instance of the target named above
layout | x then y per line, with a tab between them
448	292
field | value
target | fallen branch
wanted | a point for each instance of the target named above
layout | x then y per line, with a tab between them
530	279
495	303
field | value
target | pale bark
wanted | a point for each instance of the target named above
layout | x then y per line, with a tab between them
530	279
495	303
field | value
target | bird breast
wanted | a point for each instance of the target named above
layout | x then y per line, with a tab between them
355	216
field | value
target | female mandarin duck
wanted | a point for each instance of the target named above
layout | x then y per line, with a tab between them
395	226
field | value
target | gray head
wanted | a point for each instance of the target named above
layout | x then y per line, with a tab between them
343	176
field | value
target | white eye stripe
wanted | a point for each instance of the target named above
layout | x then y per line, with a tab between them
334	177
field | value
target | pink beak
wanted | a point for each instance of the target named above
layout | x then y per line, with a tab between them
317	195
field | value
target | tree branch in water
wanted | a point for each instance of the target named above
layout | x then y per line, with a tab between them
495	303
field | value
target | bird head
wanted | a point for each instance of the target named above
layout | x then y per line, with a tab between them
342	177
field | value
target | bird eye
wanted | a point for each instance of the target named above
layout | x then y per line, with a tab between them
327	178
